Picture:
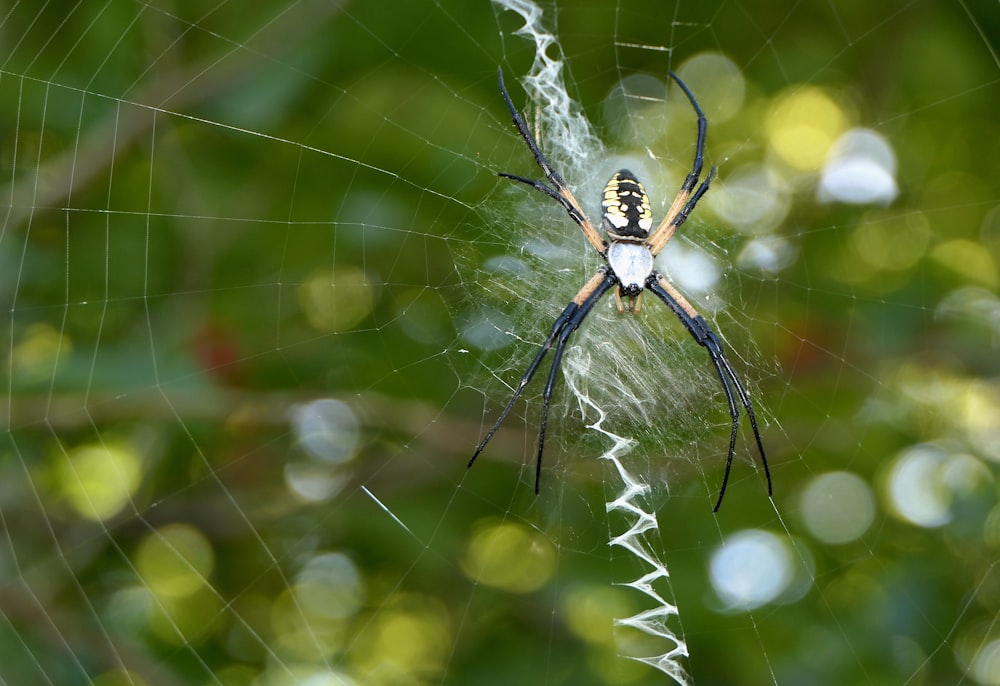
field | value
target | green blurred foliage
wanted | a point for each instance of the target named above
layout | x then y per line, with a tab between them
213	216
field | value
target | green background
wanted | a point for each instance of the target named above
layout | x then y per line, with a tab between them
174	177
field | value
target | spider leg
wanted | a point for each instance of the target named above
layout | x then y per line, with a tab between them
571	326
560	191
684	203
706	338
665	232
575	213
565	324
699	151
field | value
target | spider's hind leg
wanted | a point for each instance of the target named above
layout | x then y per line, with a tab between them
705	337
566	323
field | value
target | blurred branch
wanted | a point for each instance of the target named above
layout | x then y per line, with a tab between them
72	411
174	90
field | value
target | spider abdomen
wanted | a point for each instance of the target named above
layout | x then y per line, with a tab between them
632	264
625	208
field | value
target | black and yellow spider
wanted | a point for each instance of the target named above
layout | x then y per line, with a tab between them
628	254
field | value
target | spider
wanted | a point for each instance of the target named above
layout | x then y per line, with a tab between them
628	255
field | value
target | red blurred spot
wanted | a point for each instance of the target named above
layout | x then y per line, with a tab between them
217	352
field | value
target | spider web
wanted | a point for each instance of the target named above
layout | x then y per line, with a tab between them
265	294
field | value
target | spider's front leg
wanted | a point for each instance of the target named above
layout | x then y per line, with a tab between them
559	191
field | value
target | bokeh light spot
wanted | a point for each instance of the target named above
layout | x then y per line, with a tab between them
860	168
313	482
99	480
298	675
330	585
327	429
336	301
802	125
986	664
891	243
720	84
186	620
837	507
968	259
751	199
118	677
424	316
979	407
487	330
691	268
407	642
750	569
925	482
175	561
300	631
767	253
637	106
916	491
34	357
509	557
591	610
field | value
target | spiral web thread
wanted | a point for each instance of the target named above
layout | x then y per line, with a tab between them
568	135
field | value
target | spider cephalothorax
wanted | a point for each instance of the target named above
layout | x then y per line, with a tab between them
629	254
